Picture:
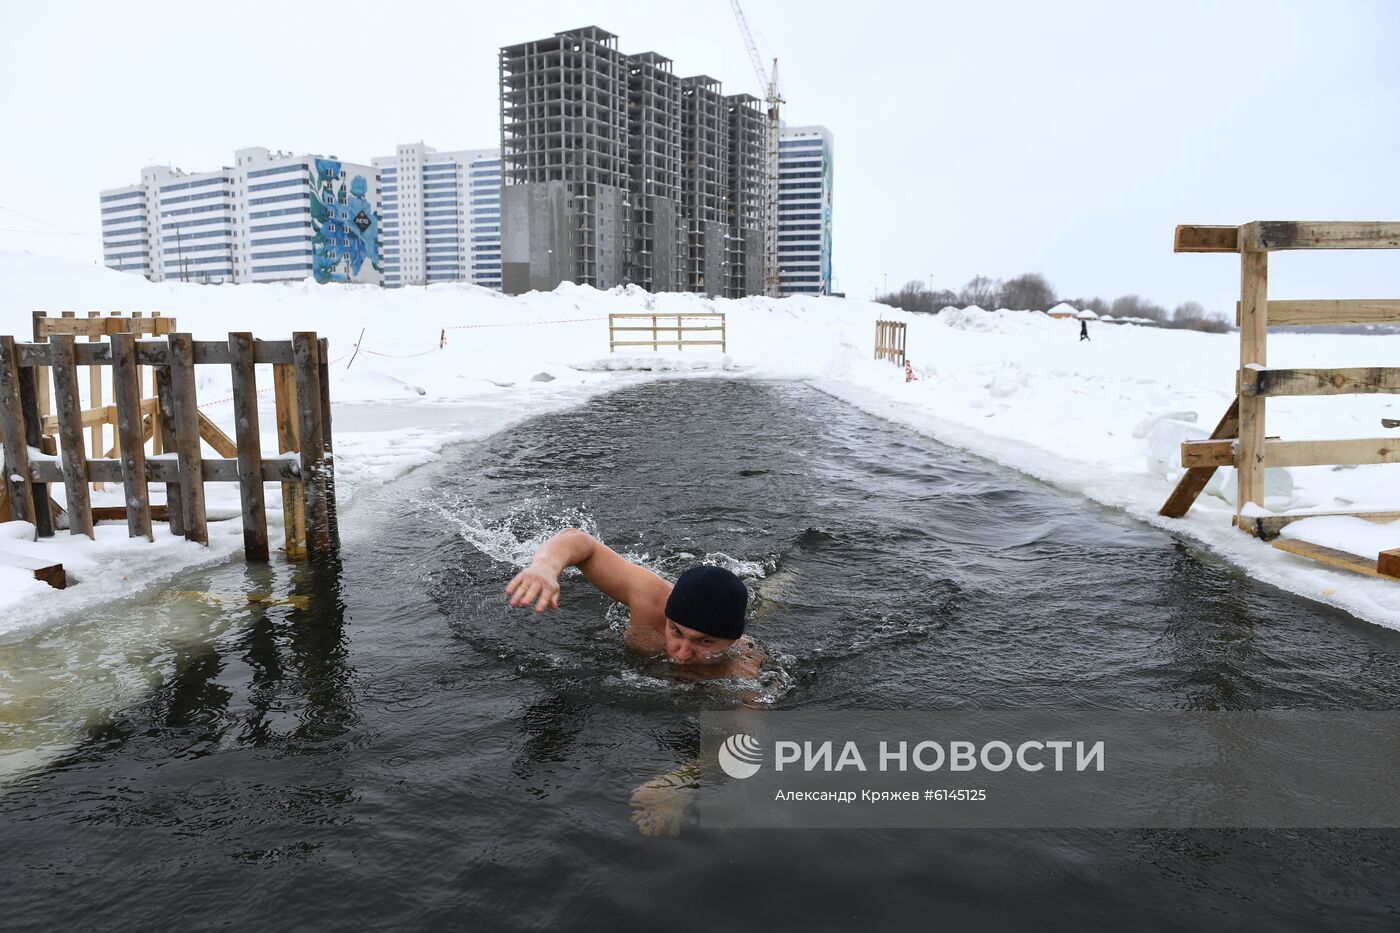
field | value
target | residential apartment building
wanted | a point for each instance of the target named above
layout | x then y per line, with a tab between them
440	214
804	210
171	225
615	171
269	217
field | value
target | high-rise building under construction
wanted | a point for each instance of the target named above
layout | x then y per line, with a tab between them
616	171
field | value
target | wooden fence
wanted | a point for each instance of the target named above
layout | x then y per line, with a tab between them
710	322
1239	439
304	466
889	341
98	415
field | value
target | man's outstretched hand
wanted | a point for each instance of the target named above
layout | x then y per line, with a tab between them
534	585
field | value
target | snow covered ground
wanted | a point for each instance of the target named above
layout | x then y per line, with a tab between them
1102	418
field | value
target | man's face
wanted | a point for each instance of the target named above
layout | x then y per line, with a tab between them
688	646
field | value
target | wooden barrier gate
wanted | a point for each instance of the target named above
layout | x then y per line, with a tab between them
660	322
1239	439
303	428
889	341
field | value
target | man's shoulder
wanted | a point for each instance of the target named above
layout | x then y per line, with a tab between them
649	607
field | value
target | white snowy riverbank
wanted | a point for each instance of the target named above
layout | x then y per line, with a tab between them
1101	418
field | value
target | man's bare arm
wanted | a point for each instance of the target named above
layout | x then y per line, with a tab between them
607	570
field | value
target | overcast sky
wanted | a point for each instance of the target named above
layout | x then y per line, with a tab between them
993	138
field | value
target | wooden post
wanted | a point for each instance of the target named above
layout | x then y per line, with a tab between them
165	399
126	391
245	419
33	435
187	437
332	511
95	400
68	406
1254	337
41	373
306	361
288	441
124	326
654	335
19	492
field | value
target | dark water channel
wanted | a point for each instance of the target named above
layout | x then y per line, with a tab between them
382	744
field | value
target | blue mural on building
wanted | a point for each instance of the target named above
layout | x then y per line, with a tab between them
346	225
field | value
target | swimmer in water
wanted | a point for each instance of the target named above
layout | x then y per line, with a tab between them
697	622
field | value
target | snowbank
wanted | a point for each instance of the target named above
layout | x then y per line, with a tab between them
445	363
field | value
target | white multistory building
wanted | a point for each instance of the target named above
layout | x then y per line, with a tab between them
271	216
441	215
804	210
172	225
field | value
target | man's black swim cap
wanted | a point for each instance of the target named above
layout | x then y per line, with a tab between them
710	600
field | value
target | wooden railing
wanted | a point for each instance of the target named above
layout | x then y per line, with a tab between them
890	341
710	323
1240	439
303	429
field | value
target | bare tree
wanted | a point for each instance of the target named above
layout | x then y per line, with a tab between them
1192	315
1135	306
1028	292
914	297
981	291
943	298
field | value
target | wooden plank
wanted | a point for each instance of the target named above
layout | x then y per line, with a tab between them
156	353
1268	526
165	400
666	327
648	315
93	326
1193	482
19	492
126	388
1328	234
216	438
1388	563
1210	454
96	325
313	474
41	569
1273	383
1320	453
1279	453
1332	557
117	513
668	343
182	381
1331	312
1198	238
87	417
166	469
1254	336
70	435
288	441
249	447
332	509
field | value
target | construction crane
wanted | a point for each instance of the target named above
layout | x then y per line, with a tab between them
774	100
